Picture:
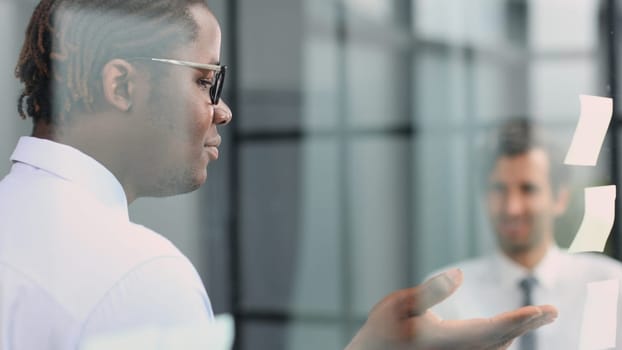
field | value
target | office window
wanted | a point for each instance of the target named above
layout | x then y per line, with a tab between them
360	127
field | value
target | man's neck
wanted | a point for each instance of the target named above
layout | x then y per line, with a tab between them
44	130
530	258
87	142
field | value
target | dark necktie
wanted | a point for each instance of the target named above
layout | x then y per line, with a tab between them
528	340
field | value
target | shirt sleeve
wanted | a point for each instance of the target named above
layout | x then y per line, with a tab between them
163	292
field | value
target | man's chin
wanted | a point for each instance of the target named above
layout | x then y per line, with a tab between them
194	184
515	246
515	242
183	185
193	180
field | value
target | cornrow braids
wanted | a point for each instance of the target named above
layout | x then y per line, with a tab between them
68	42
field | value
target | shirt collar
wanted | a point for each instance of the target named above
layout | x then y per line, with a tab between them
546	272
74	166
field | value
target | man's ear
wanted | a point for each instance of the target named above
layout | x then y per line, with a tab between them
562	198
119	83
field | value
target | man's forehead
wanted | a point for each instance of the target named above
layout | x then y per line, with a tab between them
533	165
206	47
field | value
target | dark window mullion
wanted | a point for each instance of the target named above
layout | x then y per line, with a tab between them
235	201
612	73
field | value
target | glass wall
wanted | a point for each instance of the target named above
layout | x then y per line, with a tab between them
359	130
351	167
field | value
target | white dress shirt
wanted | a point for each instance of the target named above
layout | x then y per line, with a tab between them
72	265
491	286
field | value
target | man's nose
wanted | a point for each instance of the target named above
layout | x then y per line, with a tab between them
514	204
222	113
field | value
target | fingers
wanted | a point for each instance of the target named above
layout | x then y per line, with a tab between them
497	332
419	299
513	324
523	320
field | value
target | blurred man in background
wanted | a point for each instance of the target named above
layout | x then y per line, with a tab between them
525	191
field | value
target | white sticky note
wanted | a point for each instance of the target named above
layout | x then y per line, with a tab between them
596	113
597	220
217	335
598	328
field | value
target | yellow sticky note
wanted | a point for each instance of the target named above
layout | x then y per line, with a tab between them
597	220
596	113
598	327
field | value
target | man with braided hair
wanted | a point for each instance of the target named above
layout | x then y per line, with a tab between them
125	100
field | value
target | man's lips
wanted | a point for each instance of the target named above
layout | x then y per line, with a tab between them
213	142
211	147
513	227
213	152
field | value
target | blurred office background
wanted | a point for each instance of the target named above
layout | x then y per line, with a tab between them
350	168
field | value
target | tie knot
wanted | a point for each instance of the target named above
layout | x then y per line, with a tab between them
528	283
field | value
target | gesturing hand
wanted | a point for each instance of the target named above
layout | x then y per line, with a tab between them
402	321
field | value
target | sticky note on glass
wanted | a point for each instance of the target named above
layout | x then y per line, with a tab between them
217	335
597	220
596	113
598	327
